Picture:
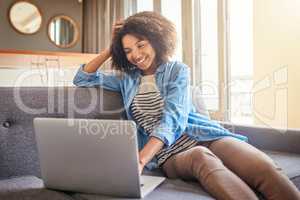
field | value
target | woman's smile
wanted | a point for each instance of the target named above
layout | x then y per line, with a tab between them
140	53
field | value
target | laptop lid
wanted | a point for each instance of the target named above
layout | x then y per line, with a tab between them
89	155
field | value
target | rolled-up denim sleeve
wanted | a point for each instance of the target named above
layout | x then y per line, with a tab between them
107	81
176	108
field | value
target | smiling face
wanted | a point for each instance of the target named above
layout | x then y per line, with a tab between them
140	53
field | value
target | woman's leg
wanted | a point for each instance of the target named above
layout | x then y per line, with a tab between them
255	168
199	163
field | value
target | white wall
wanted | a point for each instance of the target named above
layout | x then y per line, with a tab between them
276	96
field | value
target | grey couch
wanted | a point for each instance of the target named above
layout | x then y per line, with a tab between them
19	163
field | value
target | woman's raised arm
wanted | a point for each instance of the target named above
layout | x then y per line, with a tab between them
98	61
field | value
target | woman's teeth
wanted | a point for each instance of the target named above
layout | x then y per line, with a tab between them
140	61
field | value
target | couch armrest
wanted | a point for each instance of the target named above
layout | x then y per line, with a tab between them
286	140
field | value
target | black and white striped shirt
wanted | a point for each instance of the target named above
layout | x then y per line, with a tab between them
147	109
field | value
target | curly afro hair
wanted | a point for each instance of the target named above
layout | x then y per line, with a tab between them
151	26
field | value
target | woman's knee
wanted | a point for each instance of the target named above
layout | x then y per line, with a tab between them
192	163
263	164
202	159
201	154
169	168
266	167
184	164
246	157
262	171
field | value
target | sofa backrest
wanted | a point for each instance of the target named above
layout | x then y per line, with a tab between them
198	101
18	107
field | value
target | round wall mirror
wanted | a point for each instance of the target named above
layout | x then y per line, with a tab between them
63	31
25	17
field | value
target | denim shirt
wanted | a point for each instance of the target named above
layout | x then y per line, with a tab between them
179	114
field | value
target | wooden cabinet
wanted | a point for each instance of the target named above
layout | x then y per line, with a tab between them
28	59
31	68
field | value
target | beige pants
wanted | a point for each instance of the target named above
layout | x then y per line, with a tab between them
227	168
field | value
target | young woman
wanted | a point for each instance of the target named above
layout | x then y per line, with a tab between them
171	134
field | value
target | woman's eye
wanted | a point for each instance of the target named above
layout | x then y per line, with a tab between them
141	45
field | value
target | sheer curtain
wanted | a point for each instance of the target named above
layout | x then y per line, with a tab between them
98	17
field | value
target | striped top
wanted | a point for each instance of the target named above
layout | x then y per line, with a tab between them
147	105
147	109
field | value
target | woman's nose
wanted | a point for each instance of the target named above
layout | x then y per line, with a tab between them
136	54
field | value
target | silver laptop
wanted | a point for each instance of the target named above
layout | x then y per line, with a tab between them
91	156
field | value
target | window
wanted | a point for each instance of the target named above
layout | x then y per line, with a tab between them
173	13
240	43
215	39
209	57
144	5
224	60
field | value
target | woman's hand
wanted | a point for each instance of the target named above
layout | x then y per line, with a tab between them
148	152
141	167
116	27
105	54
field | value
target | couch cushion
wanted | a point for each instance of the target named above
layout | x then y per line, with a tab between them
181	190
18	107
169	189
32	188
289	162
28	188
